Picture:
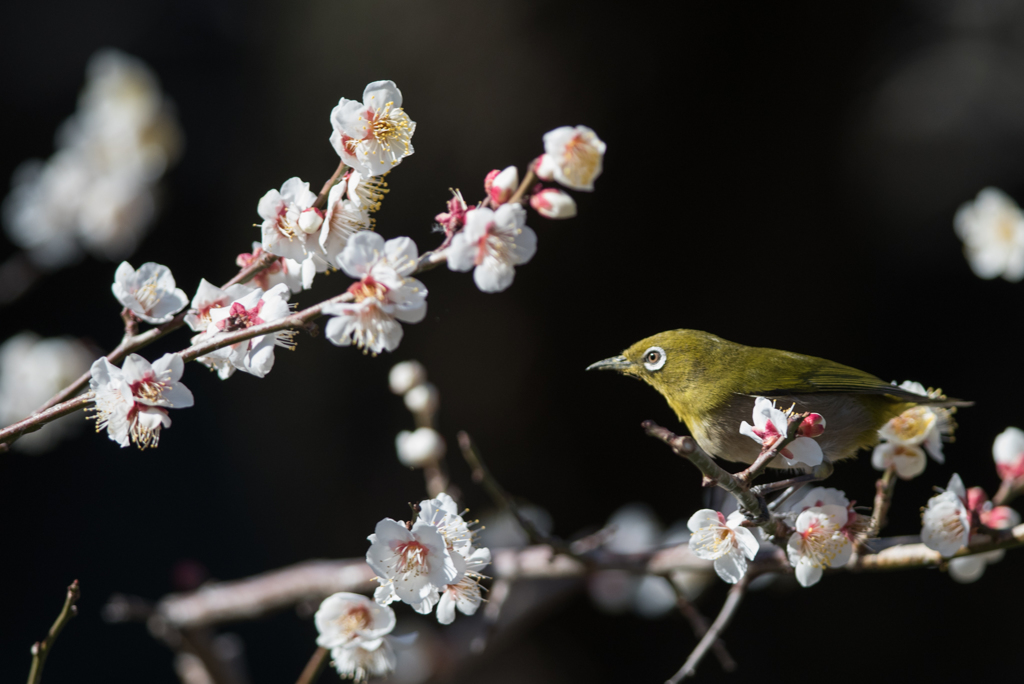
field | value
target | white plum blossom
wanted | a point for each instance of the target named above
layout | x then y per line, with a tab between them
464	594
33	369
360	664
572	156
992	230
291	226
419	448
967	569
374	135
819	542
501	185
287	271
149	293
771	425
919	425
209	296
405	375
254	355
366	192
1008	452
553	203
412	565
724	541
423	398
347	620
344	219
131	402
946	521
493	243
383	295
907	460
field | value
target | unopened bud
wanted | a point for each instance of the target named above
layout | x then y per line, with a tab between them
553	203
422	398
500	185
811	426
310	220
419	448
406	375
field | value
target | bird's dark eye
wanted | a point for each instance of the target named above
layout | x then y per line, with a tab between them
654	358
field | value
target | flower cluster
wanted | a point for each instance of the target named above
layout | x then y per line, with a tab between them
992	230
33	369
356	630
430	561
907	437
131	402
772	424
254	307
97	192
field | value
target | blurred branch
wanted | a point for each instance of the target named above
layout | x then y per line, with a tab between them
884	489
732	602
37	420
314	667
700	628
41	649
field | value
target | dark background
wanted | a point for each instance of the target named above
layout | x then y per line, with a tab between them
757	152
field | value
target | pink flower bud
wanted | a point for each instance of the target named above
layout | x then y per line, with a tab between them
500	185
1000	518
976	499
553	203
310	220
811	426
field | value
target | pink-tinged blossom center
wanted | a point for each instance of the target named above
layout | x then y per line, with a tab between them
368	288
240	317
412	559
354	621
820	545
149	388
768	436
261	279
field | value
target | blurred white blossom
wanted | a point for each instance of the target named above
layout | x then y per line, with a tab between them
493	243
1008	452
946	521
419	448
346	619
97	192
423	398
374	135
553	203
405	375
149	293
32	370
992	230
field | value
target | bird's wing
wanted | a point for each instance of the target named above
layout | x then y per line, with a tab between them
800	374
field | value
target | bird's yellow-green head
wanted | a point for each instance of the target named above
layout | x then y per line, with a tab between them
693	370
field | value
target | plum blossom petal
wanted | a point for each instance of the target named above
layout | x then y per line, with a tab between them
346	619
572	156
992	230
908	461
946	521
255	355
493	243
818	542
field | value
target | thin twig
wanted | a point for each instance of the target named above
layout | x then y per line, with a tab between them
314	667
36	421
699	624
321	199
41	649
714	474
522	193
732	602
884	489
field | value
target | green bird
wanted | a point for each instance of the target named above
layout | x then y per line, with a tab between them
712	384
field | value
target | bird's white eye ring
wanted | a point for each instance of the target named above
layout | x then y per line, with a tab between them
654	358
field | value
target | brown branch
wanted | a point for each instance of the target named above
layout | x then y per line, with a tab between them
522	193
732	602
321	199
713	473
884	489
37	420
41	649
314	667
700	627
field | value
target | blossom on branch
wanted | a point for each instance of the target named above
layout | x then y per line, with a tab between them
771	425
1008	452
254	355
968	569
493	243
383	295
291	226
412	565
724	541
992	230
131	402
466	593
572	156
374	135
209	296
281	270
149	293
500	185
344	219
946	521
819	542
356	629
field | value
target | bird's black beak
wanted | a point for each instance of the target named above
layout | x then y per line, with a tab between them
618	363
